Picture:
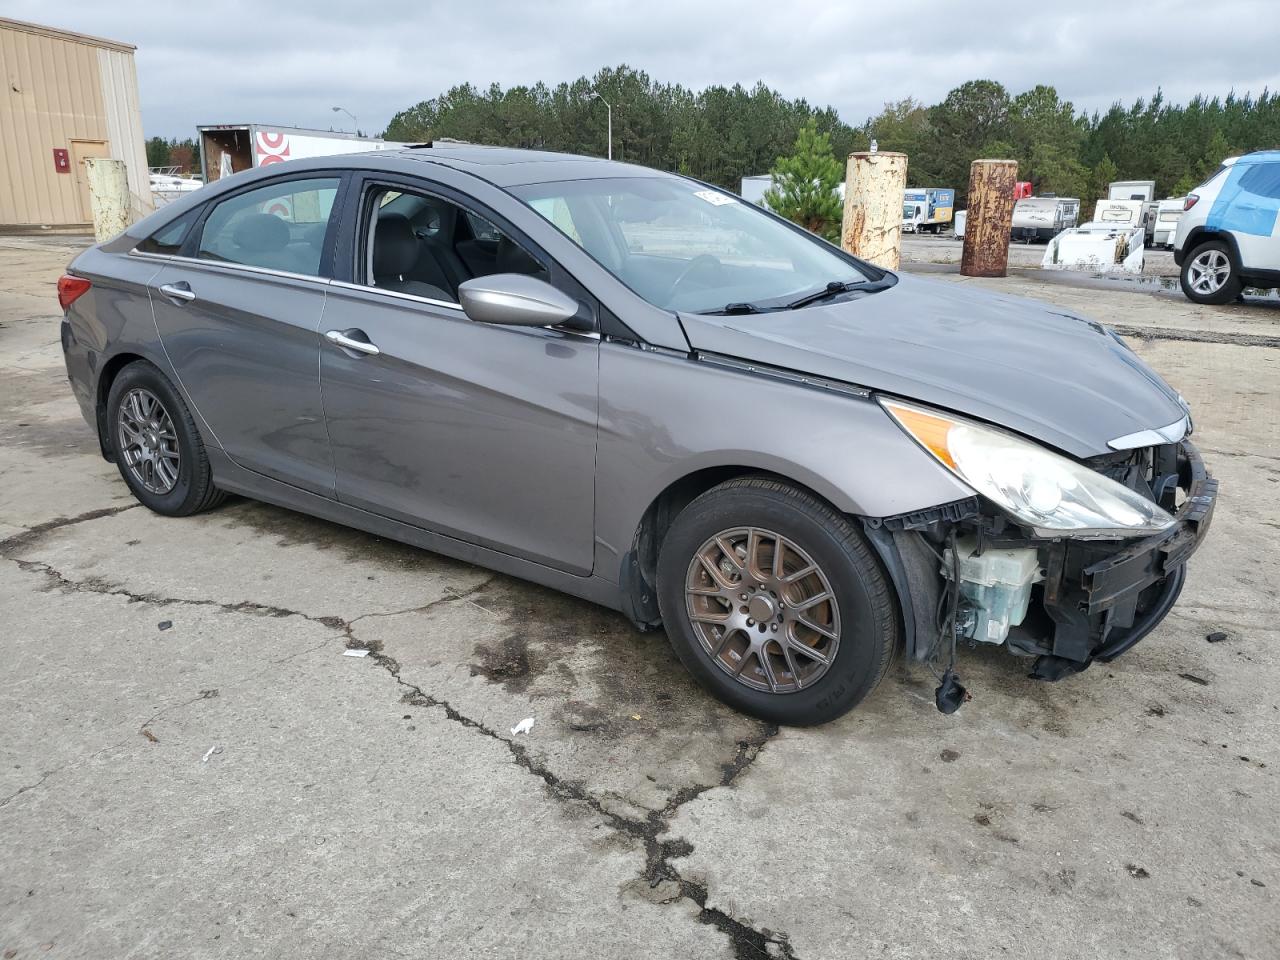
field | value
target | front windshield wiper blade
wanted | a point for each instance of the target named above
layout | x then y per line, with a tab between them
836	287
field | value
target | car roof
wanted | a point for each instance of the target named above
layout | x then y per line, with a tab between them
511	166
501	166
1260	156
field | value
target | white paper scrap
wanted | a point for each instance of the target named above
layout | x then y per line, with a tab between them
524	726
355	653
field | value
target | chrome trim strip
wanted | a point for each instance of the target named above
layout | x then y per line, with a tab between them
396	294
1159	436
232	267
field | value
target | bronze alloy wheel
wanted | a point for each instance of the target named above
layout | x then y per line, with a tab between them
763	609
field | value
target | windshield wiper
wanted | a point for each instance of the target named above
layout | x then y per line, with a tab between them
732	309
832	289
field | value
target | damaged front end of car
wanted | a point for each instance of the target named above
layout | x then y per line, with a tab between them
1062	561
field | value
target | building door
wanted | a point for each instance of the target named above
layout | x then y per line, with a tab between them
80	151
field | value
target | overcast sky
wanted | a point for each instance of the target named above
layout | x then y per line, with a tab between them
291	62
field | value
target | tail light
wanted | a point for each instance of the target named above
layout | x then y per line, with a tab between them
1190	202
70	289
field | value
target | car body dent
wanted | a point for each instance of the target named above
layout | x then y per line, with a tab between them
996	358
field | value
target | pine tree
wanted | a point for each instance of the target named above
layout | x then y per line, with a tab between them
805	184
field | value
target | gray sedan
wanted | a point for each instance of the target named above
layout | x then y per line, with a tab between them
640	390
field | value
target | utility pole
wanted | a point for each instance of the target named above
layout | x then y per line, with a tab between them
354	122
609	119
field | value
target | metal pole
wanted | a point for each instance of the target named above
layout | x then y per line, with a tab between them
989	217
872	227
595	95
354	122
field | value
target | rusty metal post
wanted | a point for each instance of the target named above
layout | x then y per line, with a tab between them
872	227
108	196
989	217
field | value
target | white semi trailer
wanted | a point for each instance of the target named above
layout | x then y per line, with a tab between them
227	148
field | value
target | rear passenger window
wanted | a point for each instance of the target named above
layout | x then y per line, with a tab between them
280	226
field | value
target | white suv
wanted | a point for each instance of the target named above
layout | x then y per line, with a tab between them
1229	234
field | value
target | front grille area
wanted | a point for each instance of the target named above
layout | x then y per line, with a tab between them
1150	471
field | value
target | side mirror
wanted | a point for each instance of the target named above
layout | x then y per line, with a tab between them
515	299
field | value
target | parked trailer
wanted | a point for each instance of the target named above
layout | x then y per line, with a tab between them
1168	213
927	209
227	148
1043	218
1131	190
1114	240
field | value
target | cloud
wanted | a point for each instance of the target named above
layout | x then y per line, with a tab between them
291	62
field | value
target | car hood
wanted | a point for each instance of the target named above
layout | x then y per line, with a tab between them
1028	366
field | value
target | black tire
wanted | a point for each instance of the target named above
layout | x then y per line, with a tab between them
193	490
869	634
1230	288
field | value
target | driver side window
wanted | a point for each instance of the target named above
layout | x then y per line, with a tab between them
426	246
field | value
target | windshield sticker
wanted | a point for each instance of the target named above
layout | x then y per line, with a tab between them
713	198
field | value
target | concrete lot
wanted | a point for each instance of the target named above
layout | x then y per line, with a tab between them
380	807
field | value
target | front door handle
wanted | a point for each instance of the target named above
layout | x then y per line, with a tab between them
178	291
347	343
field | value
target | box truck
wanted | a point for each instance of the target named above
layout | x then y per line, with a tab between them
927	209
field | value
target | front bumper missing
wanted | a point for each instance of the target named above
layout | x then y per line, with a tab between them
1098	597
1101	600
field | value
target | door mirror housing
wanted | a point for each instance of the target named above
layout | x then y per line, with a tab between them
515	299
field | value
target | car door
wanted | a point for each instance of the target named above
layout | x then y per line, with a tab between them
238	314
479	432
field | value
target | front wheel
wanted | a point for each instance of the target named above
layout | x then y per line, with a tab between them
1210	275
775	602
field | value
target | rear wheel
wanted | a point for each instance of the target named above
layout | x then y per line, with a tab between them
775	602
157	445
1210	274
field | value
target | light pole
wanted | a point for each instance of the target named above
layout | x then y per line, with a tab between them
354	122
609	117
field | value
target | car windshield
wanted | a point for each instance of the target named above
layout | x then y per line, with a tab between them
683	246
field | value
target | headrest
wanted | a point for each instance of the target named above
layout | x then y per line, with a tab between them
510	258
261	233
395	246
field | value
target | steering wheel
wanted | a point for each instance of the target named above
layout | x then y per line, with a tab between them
702	262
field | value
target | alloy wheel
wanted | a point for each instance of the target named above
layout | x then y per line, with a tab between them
1209	271
763	609
148	440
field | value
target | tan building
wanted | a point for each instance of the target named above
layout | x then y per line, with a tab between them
66	97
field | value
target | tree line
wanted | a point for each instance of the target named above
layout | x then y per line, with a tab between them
183	154
721	134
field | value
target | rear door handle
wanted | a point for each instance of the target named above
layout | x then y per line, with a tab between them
178	291
340	338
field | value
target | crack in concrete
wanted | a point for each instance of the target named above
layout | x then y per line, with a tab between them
32	534
1196	336
748	942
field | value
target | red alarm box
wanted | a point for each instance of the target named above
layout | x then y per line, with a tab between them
61	160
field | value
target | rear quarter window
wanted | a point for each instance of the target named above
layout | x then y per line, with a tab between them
168	239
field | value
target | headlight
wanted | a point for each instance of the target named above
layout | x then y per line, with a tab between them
1050	493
